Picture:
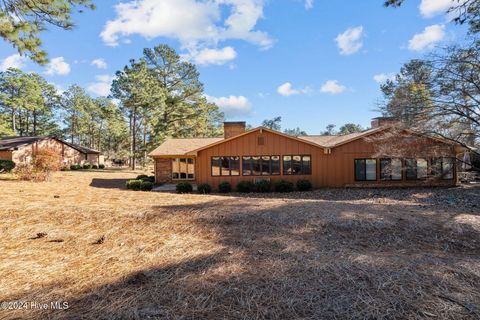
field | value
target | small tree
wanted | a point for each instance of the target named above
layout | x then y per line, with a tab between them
44	162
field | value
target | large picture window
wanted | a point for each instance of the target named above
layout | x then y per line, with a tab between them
391	169
442	168
297	165
183	169
365	169
225	166
416	169
260	165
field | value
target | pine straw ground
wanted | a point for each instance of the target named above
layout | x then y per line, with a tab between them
344	254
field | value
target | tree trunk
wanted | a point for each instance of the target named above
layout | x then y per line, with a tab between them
134	135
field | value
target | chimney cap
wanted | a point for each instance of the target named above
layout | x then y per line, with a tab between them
234	122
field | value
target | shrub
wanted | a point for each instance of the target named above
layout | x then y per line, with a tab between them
101	166
94	166
204	188
75	167
146	186
134	185
144	177
141	177
225	187
283	186
245	186
263	186
6	165
87	166
304	185
43	163
184	187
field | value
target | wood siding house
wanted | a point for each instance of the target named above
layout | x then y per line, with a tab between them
22	149
327	161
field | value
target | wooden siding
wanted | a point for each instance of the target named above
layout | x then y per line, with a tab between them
5	155
328	170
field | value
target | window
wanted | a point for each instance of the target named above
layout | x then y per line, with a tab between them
416	169
297	165
260	165
442	168
391	169
225	166
365	169
183	169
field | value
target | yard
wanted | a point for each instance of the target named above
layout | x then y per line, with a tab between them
112	253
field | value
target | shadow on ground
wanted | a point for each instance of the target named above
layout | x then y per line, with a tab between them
317	259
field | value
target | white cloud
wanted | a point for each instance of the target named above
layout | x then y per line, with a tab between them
13	61
350	41
332	87
100	63
286	90
308	4
232	105
102	86
195	24
382	77
58	66
431	8
213	56
427	39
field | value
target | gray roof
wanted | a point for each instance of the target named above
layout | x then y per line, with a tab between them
12	143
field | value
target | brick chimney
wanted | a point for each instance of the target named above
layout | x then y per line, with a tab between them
384	121
233	128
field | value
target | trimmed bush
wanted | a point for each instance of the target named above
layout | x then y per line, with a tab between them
134	185
6	165
144	177
263	186
141	177
101	166
184	187
245	186
304	185
204	188
225	187
283	186
94	166
75	167
146	186
87	166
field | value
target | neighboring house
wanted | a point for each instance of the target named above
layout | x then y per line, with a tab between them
21	150
327	161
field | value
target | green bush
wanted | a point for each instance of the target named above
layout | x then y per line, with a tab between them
6	165
245	186
134	185
263	186
144	177
204	188
101	166
141	177
75	167
184	187
146	186
283	186
225	187
94	166
87	166
304	185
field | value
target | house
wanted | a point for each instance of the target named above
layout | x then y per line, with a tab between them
21	149
357	159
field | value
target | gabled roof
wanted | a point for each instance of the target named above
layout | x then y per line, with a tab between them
11	143
338	140
181	146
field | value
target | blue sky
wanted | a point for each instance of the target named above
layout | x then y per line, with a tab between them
312	62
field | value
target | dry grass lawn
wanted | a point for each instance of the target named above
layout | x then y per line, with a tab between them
317	255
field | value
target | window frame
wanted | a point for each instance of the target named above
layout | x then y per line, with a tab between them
251	166
283	171
221	158
442	173
365	169
391	171
416	169
178	161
